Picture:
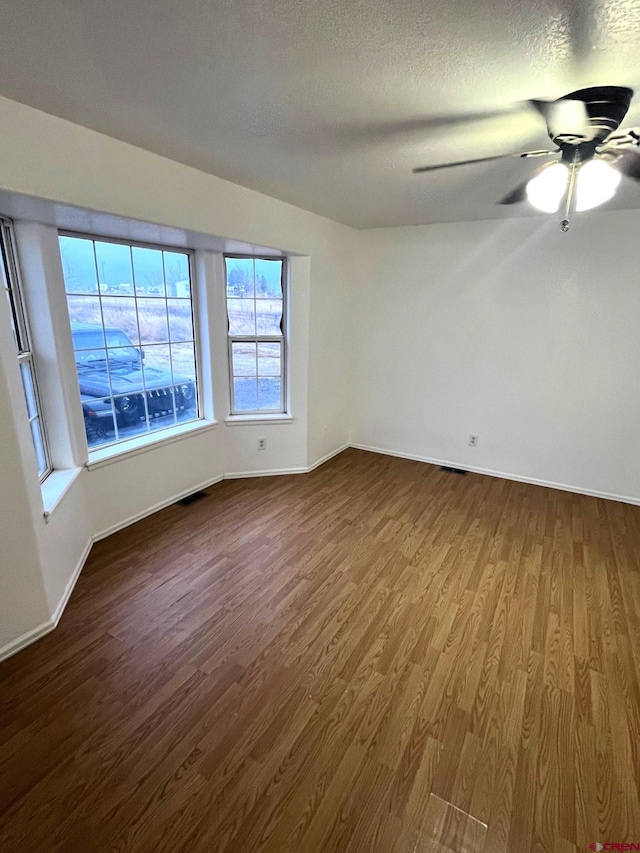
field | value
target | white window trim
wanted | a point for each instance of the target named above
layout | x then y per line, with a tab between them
248	420
259	416
55	487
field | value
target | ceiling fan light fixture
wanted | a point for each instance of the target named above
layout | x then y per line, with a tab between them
597	183
545	190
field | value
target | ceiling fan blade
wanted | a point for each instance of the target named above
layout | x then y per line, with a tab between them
519	193
420	169
629	137
516	195
564	117
358	134
629	164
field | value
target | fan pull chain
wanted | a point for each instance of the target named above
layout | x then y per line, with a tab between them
564	225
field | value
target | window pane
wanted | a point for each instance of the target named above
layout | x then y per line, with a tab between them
152	319
158	381
180	320
113	261
38	443
132	380
149	271
157	364
29	391
121	323
134	429
161	405
269	394
78	265
90	360
269	363
130	410
186	400
240	278
268	279
84	310
13	322
269	316
169	376
244	358
183	358
176	273
125	364
245	394
242	317
4	278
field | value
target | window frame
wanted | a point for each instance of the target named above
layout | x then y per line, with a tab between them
282	339
150	436
12	282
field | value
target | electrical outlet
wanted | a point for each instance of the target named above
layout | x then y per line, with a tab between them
473	440
262	444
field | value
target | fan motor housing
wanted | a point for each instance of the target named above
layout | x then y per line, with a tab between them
579	153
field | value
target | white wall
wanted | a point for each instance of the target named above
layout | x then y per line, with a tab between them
23	600
63	537
48	158
331	347
511	330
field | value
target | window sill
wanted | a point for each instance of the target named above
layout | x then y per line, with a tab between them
248	420
55	487
142	443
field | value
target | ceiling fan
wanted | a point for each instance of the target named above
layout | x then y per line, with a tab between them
583	126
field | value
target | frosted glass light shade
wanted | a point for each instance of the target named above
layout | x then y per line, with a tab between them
597	183
546	190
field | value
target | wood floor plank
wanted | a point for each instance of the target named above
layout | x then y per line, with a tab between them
377	657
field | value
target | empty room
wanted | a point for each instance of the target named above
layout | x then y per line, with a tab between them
319	435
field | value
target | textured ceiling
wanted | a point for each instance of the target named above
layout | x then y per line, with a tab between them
326	104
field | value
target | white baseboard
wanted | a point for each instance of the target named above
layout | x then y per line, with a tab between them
267	472
549	484
66	595
46	627
155	508
327	457
26	639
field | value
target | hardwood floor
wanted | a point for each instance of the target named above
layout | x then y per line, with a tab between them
377	656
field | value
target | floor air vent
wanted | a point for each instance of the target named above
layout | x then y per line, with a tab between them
191	499
453	470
